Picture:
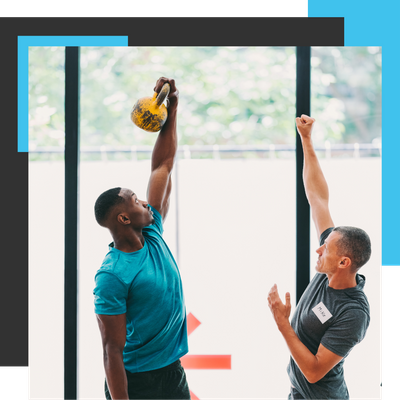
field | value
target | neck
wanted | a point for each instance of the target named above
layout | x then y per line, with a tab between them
128	242
342	281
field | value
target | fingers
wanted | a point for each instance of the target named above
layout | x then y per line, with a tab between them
288	305
304	119
273	296
273	290
173	95
287	300
162	81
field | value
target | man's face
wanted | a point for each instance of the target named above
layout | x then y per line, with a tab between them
139	211
328	260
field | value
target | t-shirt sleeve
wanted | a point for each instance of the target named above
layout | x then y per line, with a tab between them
110	294
346	332
158	225
324	235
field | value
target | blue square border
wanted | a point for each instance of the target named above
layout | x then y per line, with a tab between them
24	42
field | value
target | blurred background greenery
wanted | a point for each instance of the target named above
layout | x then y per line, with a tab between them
228	95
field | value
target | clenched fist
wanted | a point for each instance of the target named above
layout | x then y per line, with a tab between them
304	126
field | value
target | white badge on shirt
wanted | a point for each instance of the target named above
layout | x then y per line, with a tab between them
322	312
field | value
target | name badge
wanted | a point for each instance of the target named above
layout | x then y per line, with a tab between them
322	312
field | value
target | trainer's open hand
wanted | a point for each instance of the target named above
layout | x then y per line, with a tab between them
280	311
304	126
173	96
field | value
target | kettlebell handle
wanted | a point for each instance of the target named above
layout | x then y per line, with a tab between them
164	92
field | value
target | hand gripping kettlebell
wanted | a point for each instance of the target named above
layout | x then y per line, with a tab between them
149	113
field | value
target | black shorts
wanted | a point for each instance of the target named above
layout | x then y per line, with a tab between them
165	383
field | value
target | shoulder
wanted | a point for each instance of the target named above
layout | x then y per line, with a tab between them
117	269
357	299
354	317
111	262
111	272
318	280
110	290
347	329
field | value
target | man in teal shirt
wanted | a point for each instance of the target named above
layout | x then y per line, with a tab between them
139	299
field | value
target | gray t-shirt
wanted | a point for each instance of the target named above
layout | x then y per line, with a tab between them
337	319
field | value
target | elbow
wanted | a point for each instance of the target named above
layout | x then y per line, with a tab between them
166	166
311	373
110	352
112	359
313	376
169	164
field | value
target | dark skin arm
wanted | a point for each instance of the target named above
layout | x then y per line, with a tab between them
113	327
113	335
163	157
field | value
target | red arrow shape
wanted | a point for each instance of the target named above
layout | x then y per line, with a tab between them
206	362
200	361
193	396
192	323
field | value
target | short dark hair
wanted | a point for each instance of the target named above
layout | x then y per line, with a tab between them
355	244
105	202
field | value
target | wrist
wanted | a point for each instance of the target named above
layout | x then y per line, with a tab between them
283	324
172	107
306	139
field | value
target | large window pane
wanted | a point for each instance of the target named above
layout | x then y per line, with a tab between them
232	234
238	239
46	223
346	98
227	95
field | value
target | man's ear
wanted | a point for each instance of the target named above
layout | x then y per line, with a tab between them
123	219
345	262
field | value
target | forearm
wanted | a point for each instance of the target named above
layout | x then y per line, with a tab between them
116	376
314	181
167	143
305	360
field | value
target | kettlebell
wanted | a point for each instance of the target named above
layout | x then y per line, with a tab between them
149	113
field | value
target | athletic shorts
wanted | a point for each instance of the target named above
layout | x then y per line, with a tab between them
165	383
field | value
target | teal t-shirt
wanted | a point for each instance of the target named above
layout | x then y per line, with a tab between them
147	286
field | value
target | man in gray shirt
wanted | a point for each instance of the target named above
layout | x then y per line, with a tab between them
332	315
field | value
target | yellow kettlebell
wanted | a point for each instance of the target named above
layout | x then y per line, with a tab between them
149	113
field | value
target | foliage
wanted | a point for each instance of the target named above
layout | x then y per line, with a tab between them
346	93
228	95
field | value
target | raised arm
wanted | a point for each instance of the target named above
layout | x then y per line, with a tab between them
314	181
162	161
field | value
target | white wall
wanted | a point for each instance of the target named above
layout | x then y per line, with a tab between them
237	238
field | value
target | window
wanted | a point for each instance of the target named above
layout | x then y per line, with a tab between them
231	224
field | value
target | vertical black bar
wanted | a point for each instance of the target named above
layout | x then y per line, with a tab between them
303	83
71	219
